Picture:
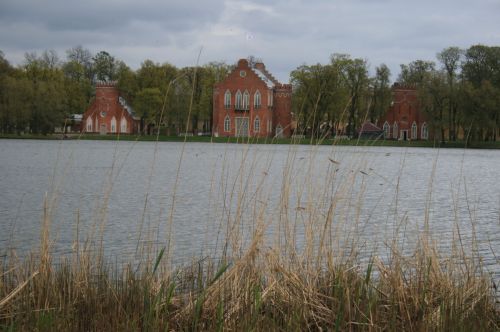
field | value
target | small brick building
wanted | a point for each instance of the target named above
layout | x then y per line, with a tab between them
404	120
251	102
109	113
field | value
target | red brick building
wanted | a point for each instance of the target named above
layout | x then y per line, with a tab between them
251	102
404	120
109	113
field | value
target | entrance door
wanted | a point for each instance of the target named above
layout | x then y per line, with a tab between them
404	135
103	130
242	127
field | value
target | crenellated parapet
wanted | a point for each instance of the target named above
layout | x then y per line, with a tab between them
404	86
106	84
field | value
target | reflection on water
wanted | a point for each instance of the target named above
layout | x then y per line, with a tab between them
379	192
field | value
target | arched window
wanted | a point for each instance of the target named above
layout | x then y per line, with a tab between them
269	98
89	124
227	99
239	101
246	100
279	131
395	130
123	125
387	130
269	126
227	123
256	125
425	131
414	130
256	99
113	124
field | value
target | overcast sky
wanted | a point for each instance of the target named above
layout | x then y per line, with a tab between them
284	34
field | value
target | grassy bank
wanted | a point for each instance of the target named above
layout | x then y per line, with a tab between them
306	141
257	284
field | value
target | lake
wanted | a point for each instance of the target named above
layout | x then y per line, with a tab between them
192	193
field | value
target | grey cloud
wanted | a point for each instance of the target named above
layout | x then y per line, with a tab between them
286	33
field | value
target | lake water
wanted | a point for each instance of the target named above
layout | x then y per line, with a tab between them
190	193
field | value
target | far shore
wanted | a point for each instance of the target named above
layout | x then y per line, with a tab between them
251	140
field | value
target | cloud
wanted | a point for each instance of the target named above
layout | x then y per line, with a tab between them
285	34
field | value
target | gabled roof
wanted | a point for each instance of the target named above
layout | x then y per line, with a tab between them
369	127
126	106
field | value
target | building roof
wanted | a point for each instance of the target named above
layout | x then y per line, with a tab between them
127	107
263	76
369	127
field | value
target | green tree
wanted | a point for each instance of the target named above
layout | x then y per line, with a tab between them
416	72
148	104
104	66
355	78
450	60
381	98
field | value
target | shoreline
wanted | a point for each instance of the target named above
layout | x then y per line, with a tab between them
301	141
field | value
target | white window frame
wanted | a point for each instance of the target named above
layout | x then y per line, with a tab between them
89	124
424	131
123	125
227	99
256	100
239	100
414	130
246	100
113	125
256	125
227	124
279	131
387	130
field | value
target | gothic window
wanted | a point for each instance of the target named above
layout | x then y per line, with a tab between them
256	100
387	130
246	100
227	99
425	131
123	125
279	131
113	124
395	130
256	125
414	130
89	124
227	123
239	101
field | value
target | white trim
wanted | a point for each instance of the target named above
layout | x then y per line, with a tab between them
246	100
424	131
256	124
113	125
257	99
239	100
123	125
414	130
227	124
387	130
279	131
89	125
227	99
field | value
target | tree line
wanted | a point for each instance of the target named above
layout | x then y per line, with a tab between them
459	92
42	93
